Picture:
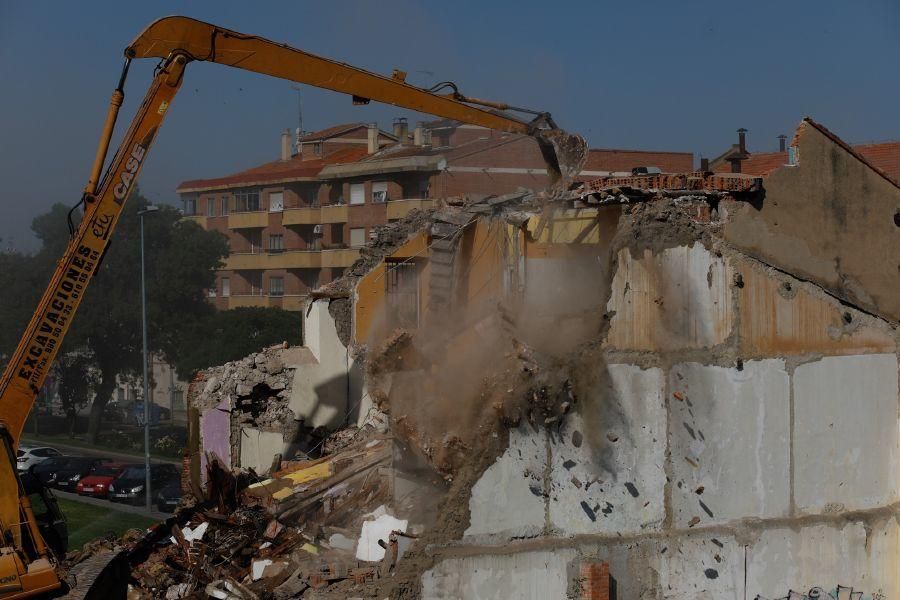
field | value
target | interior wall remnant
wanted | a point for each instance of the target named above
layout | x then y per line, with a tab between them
829	218
259	448
215	434
324	390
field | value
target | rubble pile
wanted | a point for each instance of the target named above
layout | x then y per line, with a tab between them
303	531
256	389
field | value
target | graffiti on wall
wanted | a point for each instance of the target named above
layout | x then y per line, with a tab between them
838	593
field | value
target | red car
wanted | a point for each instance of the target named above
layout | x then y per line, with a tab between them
97	482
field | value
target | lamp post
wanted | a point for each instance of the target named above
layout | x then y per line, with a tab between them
149	209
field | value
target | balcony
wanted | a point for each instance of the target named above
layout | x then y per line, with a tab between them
243	220
301	216
397	209
198	219
335	214
339	258
248	301
293	302
289	259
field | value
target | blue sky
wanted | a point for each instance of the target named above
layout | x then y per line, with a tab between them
654	74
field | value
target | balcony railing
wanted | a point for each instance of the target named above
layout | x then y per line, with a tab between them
397	209
198	219
292	259
301	216
242	220
294	302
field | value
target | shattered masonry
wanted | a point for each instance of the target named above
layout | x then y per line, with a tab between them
676	385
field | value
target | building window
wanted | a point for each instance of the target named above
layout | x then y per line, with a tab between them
276	201
211	292
246	201
357	237
226	287
380	191
254	236
276	242
357	193
224	202
276	286
177	400
190	206
210	207
309	278
317	148
254	278
337	234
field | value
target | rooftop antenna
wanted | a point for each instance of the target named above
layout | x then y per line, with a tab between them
297	89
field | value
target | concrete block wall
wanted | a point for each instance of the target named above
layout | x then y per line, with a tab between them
726	460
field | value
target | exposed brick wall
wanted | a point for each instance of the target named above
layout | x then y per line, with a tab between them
594	581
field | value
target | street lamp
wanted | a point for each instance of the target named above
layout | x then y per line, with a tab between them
149	209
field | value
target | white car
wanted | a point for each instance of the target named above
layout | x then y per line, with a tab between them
27	457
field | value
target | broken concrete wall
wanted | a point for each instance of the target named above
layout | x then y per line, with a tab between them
244	417
747	418
829	218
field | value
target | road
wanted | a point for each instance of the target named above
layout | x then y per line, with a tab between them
118	456
106	504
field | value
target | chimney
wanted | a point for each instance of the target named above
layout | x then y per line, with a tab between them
286	144
742	140
373	138
419	134
704	164
782	142
401	130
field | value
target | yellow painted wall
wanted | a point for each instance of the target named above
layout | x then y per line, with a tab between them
486	250
370	291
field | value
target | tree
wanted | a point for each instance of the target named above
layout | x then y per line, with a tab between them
233	334
23	281
181	260
77	381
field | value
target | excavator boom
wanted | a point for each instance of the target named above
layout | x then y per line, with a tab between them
177	41
564	154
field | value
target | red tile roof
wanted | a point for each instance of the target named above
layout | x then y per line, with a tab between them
330	132
276	171
884	156
758	163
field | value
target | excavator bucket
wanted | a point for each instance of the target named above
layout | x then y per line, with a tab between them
564	154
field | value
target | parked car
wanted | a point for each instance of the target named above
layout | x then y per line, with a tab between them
46	470
129	486
27	457
97	482
168	498
68	476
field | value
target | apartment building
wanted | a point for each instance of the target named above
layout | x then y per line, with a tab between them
298	222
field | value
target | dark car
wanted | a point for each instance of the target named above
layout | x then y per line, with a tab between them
168	498
46	471
129	486
68	476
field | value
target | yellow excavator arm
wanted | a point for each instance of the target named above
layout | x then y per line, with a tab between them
177	41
